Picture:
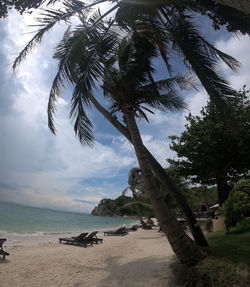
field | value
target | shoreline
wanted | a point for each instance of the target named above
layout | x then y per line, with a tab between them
32	239
141	258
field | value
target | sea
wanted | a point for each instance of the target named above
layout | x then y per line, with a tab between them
24	221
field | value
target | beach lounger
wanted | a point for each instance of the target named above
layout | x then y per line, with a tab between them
92	237
2	252
74	240
95	239
120	231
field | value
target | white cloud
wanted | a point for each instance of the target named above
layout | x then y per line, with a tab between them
238	47
43	169
40	169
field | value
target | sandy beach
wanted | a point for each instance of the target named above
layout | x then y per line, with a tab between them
141	258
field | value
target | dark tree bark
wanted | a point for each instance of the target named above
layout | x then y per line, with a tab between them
223	190
183	246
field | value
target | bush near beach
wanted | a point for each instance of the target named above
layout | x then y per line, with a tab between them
227	263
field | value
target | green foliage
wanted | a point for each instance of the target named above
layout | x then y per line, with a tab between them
209	224
20	5
237	206
227	263
197	197
215	150
122	205
233	247
201	196
221	15
241	227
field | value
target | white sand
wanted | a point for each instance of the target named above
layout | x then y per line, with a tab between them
141	258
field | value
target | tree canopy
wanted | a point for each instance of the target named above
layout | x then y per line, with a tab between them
212	150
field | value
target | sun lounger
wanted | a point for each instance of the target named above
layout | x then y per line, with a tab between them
74	240
2	252
92	237
120	231
95	239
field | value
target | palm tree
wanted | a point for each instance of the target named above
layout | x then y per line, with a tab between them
129	88
137	189
99	61
84	94
133	93
134	183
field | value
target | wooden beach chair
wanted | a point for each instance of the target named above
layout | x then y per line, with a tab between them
120	231
94	237
91	238
2	252
74	240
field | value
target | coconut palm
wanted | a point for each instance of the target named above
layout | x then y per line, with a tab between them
84	93
127	82
138	193
166	24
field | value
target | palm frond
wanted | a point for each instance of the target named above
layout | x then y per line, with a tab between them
189	45
231	62
181	81
83	127
48	18
81	55
170	101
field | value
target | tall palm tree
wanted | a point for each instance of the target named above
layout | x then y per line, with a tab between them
84	94
130	88
136	187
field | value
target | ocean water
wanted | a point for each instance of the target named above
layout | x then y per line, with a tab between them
24	220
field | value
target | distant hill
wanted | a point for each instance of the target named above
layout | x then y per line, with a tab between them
114	207
117	207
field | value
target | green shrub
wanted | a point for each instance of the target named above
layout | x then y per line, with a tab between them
241	227
237	206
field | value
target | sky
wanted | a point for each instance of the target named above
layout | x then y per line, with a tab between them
43	170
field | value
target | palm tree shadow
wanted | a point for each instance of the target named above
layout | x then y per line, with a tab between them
152	270
152	237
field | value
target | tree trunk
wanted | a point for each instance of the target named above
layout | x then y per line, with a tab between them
242	5
165	179
183	246
204	190
171	186
223	190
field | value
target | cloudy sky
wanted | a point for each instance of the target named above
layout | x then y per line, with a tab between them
39	169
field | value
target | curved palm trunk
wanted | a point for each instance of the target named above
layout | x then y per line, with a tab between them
165	179
183	246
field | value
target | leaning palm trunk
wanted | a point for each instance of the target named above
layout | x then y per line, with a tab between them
171	186
183	246
161	174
